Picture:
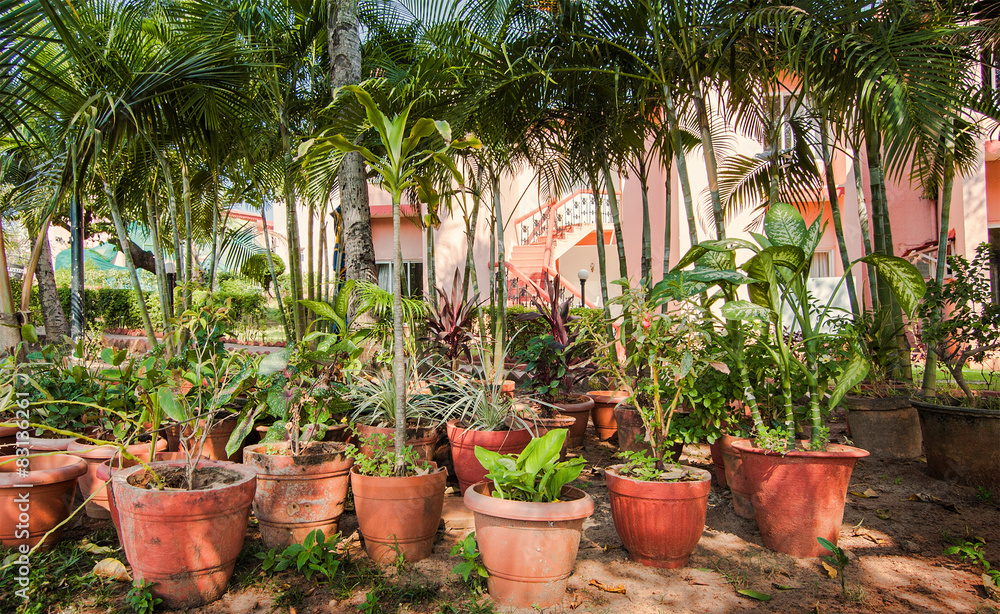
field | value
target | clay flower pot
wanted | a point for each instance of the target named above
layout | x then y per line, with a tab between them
463	442
632	433
659	523
107	470
185	543
90	483
49	444
603	413
399	516
529	549
718	464
798	495
888	427
8	437
423	439
298	494
735	478
48	486
962	443
579	410
215	443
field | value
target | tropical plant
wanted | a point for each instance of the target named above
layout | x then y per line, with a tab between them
374	398
449	323
534	474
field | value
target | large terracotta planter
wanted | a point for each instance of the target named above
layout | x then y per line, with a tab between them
603	413
799	495
888	427
185	543
529	549
579	410
718	464
107	469
215	443
423	439
91	484
463	442
962	444
298	494
399	516
659	523
48	487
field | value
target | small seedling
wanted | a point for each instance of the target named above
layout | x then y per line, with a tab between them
472	571
984	495
370	604
140	599
898	481
971	551
313	556
836	563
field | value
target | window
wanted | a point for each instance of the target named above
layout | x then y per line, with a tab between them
822	264
413	278
783	108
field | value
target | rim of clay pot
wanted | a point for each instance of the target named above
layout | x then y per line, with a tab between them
581	505
456	429
420	432
437	470
948	409
84	449
704	474
863	403
833	450
247	473
321	451
49	444
7	431
608	396
581	403
44	470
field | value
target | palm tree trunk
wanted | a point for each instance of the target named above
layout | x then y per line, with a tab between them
215	230
188	237
292	229
398	360
667	185
10	329
56	325
863	216
471	224
682	172
838	225
123	242
615	218
310	269
646	260
431	273
161	276
930	366
172	210
500	330
602	261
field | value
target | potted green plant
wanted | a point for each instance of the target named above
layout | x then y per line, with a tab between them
449	324
961	429
789	516
556	363
186	551
529	521
657	505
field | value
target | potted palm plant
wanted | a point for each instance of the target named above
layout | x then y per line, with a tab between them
657	505
401	167
528	521
188	549
775	463
961	428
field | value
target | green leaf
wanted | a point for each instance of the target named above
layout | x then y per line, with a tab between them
754	594
692	256
107	355
787	256
905	281
541	451
169	404
816	230
826	544
421	129
855	371
487	458
745	310
343	300
783	225
323	310
272	363
28	333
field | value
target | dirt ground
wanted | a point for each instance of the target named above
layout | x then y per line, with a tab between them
895	546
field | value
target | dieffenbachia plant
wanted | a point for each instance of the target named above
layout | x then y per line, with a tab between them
776	279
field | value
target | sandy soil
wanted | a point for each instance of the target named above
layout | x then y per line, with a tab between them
895	545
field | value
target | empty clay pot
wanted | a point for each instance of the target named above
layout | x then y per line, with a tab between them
603	413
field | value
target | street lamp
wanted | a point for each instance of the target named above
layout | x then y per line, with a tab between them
171	270
583	274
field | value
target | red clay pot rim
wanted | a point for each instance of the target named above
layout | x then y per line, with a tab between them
582	403
247	473
253	449
607	396
83	449
580	506
705	475
459	430
70	468
7	431
437	470
954	410
833	450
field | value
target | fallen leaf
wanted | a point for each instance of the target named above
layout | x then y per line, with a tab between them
113	569
620	589
754	594
883	514
859	494
951	507
830	569
86	546
784	587
871	494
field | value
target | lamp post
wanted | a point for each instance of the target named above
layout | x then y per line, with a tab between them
171	270
583	274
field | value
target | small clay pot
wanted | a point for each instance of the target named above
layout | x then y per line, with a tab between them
423	439
578	409
735	479
90	483
603	413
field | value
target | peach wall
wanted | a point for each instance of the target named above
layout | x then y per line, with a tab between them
993	192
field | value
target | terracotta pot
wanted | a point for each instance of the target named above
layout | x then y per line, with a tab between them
715	448
107	470
603	413
90	483
463	442
659	523
529	549
298	494
735	478
215	443
962	444
632	432
337	432
799	495
888	427
580	412
399	516
185	543
423	439
544	425
8	439
48	487
49	444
